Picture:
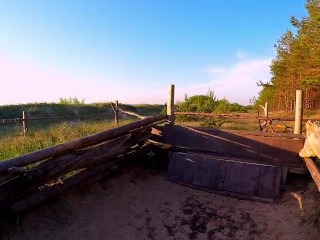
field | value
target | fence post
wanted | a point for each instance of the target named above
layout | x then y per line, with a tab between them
116	111
116	116
298	113
266	111
24	122
266	115
170	105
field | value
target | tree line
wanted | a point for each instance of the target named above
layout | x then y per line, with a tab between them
209	103
296	65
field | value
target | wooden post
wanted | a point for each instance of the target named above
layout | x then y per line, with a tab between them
24	122
170	105
266	114
116	116
266	111
298	113
116	112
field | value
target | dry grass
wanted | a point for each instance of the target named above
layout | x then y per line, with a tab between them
16	144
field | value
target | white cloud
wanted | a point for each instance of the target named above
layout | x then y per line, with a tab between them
236	82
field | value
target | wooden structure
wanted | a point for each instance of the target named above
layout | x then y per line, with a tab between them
29	179
244	164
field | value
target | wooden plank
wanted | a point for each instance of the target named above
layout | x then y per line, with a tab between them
210	173
131	113
181	167
241	178
95	173
263	149
252	133
314	171
270	178
225	174
77	144
186	138
275	151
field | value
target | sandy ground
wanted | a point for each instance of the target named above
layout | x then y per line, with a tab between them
143	204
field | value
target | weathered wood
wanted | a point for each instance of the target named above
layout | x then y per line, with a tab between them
253	133
97	172
61	149
298	113
314	171
170	106
268	150
50	170
225	174
84	158
115	111
132	113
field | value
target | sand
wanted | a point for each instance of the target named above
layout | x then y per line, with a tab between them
143	204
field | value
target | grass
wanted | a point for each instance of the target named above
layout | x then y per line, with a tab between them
48	133
15	144
43	134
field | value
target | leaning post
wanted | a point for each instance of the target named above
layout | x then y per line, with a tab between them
298	113
170	105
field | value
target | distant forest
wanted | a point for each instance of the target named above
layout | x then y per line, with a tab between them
296	65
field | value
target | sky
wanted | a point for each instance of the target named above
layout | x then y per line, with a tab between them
132	50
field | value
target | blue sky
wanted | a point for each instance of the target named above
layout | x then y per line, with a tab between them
131	50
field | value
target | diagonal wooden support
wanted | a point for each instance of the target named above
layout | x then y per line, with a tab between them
314	171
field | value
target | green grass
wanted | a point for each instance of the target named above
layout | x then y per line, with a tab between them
15	144
43	134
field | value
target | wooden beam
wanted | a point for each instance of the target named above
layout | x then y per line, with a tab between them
131	113
314	171
95	173
87	141
51	170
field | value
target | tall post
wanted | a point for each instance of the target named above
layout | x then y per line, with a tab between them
24	123
116	116
298	113
170	105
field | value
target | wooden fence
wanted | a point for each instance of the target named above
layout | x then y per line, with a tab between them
24	121
29	179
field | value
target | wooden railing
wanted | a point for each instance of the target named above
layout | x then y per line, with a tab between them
32	178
